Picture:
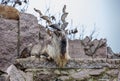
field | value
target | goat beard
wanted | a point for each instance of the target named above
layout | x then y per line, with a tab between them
58	51
63	57
63	45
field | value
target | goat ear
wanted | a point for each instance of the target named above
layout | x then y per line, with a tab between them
57	33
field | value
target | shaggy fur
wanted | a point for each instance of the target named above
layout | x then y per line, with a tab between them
54	47
63	45
58	50
36	50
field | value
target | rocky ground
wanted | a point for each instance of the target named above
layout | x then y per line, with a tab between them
92	60
36	69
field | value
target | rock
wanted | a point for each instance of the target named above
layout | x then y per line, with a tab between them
116	55
86	40
109	51
2	78
104	79
93	49
64	78
72	71
102	42
88	52
96	72
115	79
8	37
2	72
113	72
57	72
81	75
43	77
76	49
64	72
109	56
26	51
86	47
17	75
95	43
119	76
101	52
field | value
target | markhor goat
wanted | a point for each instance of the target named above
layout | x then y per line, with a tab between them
56	44
58	50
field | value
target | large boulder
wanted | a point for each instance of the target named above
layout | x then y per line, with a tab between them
8	37
17	75
76	49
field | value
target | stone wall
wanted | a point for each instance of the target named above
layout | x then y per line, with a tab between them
92	60
88	49
8	37
29	34
76	49
75	70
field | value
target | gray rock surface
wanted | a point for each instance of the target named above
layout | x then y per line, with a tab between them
81	75
8	37
17	75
